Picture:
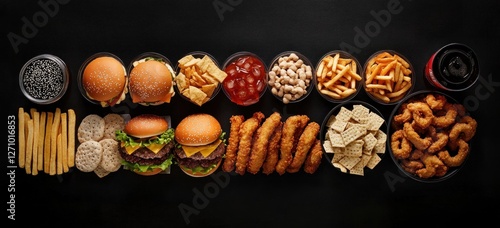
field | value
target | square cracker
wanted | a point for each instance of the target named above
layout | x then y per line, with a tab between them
353	133
349	162
374	160
374	121
336	139
357	169
360	113
338	125
370	142
354	149
344	114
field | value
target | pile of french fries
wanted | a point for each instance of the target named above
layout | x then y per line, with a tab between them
46	141
388	77
337	77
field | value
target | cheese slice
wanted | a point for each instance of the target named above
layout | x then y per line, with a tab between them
155	148
204	150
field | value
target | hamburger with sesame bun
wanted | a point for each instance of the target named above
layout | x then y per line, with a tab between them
200	144
146	143
151	81
104	80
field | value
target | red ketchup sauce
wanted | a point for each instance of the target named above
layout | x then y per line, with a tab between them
245	81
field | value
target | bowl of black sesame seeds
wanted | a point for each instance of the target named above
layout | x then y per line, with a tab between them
44	79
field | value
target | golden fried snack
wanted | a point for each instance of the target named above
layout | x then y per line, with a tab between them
401	147
292	127
404	116
273	149
233	141
448	118
414	137
314	157
431	163
435	102
259	147
422	113
459	158
246	133
306	141
439	142
411	166
461	130
472	123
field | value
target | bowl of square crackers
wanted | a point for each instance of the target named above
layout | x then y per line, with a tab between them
353	137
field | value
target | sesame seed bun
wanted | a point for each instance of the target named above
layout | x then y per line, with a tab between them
197	130
145	126
150	82
104	78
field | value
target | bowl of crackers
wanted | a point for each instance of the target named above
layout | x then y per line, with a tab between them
388	77
338	76
199	77
290	77
430	136
353	137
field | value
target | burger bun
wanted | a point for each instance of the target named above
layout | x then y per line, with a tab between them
146	125
198	130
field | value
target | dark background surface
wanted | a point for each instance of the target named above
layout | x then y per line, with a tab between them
74	30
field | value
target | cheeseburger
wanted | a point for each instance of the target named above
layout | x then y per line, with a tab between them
104	80
200	144
151	81
146	142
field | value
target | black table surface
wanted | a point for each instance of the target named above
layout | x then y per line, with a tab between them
74	30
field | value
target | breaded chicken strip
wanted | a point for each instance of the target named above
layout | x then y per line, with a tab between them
233	142
259	147
246	134
292	129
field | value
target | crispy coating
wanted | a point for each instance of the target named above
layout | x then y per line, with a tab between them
306	141
435	102
233	142
292	127
411	166
314	157
414	137
432	163
259	147
273	150
472	123
401	147
439	142
404	116
459	158
422	113
246	134
461	130
447	119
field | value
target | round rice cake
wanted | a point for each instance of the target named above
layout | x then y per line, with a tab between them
91	128
111	159
112	123
88	156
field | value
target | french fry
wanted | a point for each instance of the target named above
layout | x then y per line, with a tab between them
41	138
29	146
53	141
337	77
59	155
22	138
71	137
64	141
36	129
386	75
46	150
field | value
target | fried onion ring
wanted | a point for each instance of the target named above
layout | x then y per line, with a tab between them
447	119
314	157
246	134
306	141
461	130
401	147
404	116
440	141
292	127
273	150
459	158
233	141
259	147
435	102
422	113
414	137
432	163
411	166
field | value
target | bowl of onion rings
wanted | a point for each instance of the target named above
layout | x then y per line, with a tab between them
429	136
353	137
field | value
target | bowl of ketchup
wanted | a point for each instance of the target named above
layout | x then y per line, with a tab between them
246	78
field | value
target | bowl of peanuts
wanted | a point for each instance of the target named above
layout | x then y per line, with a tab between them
388	77
338	76
290	77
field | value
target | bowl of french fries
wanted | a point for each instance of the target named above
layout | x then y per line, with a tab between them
199	77
338	76
388	77
290	77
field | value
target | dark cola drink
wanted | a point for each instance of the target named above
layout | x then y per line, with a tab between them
454	67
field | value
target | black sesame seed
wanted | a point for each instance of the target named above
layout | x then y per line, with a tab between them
43	79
